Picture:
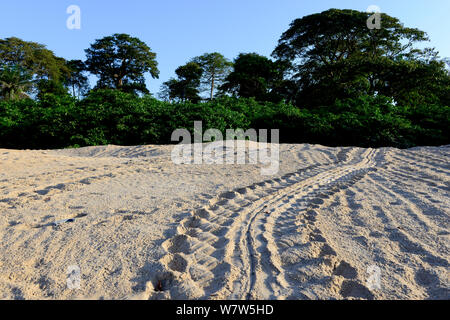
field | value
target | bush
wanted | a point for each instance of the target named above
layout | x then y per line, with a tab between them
114	117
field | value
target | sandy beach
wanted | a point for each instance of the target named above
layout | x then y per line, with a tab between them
139	226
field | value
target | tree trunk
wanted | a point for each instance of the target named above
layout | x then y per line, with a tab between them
212	88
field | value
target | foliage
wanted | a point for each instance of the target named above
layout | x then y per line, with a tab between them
114	117
215	69
333	55
33	57
186	87
77	81
15	82
24	64
333	82
120	61
254	76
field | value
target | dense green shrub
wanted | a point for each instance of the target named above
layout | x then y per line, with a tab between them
114	117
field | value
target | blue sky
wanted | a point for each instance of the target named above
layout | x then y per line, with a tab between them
179	30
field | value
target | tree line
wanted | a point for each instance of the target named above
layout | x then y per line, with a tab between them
328	71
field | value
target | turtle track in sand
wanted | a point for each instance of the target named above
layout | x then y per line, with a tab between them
262	241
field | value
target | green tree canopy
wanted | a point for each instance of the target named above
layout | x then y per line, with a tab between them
186	87
333	55
53	87
77	80
15	82
120	61
24	64
215	69
32	56
254	76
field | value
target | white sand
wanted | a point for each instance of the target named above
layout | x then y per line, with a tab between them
225	232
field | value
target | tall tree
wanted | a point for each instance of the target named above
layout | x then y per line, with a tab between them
120	61
32	56
254	76
15	82
186	87
169	90
334	55
31	62
215	69
77	80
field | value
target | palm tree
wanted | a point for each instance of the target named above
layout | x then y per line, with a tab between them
15	82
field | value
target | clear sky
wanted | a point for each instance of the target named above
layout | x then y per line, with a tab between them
178	30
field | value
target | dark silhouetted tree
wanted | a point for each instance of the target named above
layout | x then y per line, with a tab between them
186	87
254	76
